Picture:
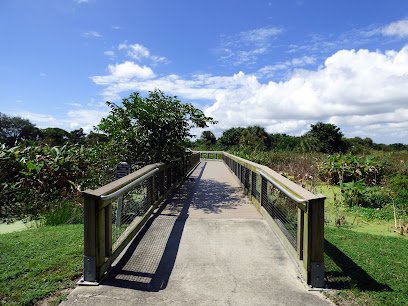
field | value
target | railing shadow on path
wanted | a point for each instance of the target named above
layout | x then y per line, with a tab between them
349	269
149	260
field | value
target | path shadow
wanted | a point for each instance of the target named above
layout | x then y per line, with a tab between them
149	260
351	275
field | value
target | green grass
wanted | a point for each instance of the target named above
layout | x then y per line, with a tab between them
39	262
359	219
366	269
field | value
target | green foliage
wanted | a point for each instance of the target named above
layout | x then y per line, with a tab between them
39	262
284	142
77	136
255	138
208	138
354	193
300	167
14	130
231	137
65	212
325	138
358	194
359	145
399	188
33	177
151	129
54	136
96	138
343	168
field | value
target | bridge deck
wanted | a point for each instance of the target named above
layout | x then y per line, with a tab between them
208	246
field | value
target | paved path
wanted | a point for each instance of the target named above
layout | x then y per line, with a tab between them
208	246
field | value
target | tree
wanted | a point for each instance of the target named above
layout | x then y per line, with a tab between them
255	138
14	130
77	136
324	137
151	129
54	136
284	142
231	137
208	138
95	138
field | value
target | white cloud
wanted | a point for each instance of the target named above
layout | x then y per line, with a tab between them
85	118
43	74
81	1
91	34
78	117
109	53
41	120
359	90
139	52
246	46
270	70
397	28
124	72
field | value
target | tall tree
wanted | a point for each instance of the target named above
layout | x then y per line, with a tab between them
77	136
54	136
231	137
324	137
255	138
151	129
208	137
14	129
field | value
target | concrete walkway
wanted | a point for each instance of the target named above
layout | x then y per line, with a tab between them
208	246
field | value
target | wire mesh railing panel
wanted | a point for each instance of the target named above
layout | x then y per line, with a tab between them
246	178
130	207
284	211
256	186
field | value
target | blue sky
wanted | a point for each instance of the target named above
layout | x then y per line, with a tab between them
279	64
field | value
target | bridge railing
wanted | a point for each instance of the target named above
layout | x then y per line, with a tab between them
296	214
114	213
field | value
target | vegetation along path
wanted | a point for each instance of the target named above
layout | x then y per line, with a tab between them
207	246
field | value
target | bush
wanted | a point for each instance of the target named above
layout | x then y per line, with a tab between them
32	178
359	194
339	168
66	212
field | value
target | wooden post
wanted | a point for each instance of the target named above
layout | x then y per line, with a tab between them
90	237
313	249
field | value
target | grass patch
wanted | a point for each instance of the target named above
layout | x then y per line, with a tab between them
360	219
39	262
366	269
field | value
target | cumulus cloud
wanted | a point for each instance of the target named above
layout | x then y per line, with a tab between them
360	90
85	118
139	52
270	70
42	120
124	72
398	28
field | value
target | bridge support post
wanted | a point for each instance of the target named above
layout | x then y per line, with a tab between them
97	238
313	238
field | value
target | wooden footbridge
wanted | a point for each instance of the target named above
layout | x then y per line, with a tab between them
209	229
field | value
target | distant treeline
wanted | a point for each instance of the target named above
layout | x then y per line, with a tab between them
15	130
322	137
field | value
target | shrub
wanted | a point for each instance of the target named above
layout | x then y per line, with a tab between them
33	177
339	168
